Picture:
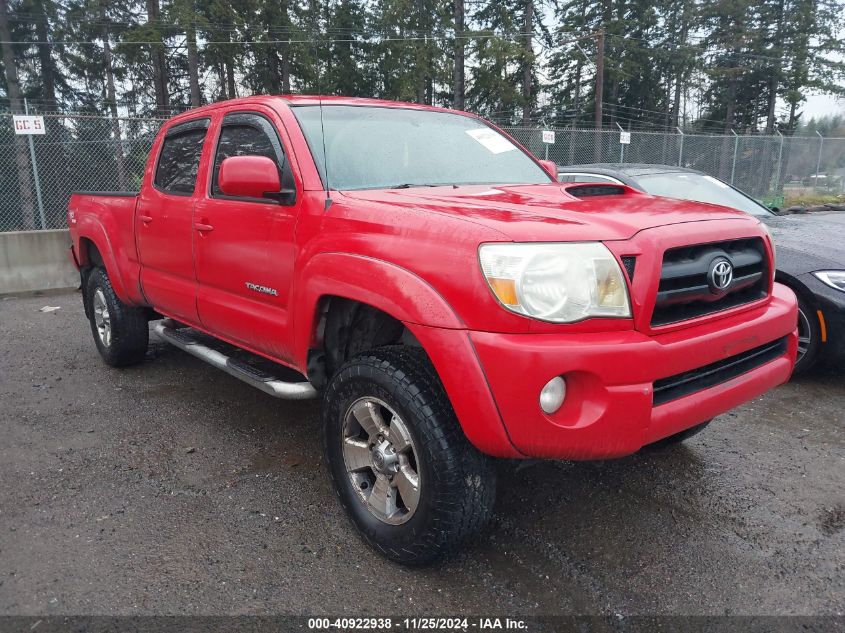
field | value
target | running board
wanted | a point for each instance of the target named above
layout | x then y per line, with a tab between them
267	383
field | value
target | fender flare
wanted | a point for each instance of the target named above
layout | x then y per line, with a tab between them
795	284
392	289
410	299
91	230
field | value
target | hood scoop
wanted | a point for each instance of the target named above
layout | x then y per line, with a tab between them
595	190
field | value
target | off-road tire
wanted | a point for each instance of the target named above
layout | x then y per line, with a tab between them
130	333
457	482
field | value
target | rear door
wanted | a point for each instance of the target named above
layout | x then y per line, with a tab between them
164	222
245	246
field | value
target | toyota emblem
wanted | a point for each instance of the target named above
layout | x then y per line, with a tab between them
721	275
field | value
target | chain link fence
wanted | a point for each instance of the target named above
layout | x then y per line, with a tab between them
762	166
95	153
38	173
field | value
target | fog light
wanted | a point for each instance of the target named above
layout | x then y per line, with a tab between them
552	395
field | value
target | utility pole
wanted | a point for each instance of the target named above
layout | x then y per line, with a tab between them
528	61
458	77
599	141
599	76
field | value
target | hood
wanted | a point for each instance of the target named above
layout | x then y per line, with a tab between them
809	242
548	212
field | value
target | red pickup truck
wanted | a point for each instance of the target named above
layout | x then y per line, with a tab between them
447	299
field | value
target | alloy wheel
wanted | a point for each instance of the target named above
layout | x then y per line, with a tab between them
381	460
102	318
805	335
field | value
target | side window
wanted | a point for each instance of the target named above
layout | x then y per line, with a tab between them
592	178
246	135
179	160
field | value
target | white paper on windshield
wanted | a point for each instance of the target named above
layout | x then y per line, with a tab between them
493	142
716	181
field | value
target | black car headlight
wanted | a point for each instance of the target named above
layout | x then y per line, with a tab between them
833	278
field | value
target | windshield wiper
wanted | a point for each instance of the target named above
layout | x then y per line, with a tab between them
408	185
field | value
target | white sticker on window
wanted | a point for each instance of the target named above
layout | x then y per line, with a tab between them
716	181
494	142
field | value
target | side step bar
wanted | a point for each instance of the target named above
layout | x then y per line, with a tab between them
234	367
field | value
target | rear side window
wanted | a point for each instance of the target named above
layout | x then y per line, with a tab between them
179	160
246	134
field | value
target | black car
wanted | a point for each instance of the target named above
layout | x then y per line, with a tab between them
810	249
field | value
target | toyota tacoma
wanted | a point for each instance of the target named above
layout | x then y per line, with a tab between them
448	300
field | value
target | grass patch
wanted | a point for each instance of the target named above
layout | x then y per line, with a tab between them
812	200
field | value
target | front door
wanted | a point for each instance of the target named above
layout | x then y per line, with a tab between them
245	246
164	222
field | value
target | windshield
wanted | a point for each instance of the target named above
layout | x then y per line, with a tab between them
700	188
379	148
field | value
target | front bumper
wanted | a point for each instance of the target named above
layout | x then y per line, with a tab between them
608	411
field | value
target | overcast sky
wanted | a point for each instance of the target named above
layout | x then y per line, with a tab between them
820	105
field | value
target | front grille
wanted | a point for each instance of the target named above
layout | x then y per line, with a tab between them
686	292
680	385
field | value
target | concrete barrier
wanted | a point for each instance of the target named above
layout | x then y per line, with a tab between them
36	260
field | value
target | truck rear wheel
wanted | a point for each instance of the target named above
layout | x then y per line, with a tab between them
121	332
404	471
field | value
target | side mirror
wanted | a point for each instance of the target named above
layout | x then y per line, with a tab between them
253	177
551	168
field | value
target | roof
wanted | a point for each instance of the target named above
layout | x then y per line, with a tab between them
294	100
626	169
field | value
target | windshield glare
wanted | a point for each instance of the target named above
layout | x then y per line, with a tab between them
699	188
379	147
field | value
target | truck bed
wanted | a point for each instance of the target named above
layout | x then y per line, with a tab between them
109	218
111	194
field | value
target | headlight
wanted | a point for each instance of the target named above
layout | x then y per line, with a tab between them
833	278
556	282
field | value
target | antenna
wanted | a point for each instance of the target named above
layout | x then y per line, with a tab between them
325	155
328	202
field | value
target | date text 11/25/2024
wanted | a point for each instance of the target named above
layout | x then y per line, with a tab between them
418	624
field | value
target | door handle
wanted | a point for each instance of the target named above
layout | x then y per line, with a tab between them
146	219
203	228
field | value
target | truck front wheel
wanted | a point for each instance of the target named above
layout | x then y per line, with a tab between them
404	471
121	332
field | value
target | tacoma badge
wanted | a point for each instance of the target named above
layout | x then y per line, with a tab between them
262	289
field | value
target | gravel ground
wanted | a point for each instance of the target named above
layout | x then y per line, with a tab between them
172	488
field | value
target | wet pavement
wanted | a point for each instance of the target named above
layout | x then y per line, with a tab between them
172	488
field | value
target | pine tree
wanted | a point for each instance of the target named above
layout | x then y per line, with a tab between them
347	71
219	23
495	89
13	93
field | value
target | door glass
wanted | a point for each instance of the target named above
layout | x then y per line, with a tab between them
179	162
585	178
246	135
